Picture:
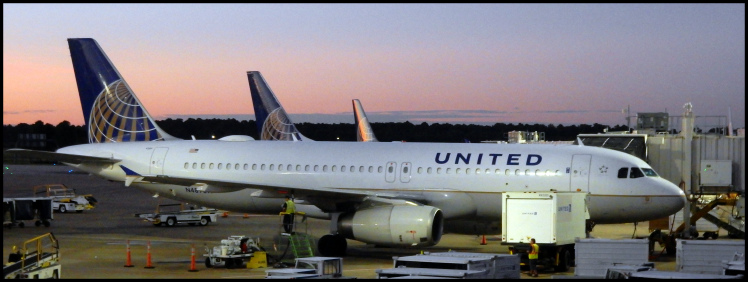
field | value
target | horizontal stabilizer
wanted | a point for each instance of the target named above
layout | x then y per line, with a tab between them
59	157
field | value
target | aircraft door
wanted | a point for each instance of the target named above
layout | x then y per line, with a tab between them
157	160
390	172
405	172
580	173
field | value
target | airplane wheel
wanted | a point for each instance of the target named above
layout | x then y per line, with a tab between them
171	221
204	221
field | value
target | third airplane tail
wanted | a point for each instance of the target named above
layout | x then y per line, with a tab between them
111	111
364	133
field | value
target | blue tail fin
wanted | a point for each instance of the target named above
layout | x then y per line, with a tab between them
364	133
110	108
272	121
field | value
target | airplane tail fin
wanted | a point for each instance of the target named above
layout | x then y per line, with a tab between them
364	133
272	121
110	108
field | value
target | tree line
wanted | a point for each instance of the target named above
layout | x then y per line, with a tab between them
65	134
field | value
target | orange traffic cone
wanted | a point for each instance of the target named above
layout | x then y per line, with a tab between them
129	259
225	214
483	241
192	264
246	215
148	257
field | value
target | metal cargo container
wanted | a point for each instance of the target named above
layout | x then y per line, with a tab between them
595	256
705	256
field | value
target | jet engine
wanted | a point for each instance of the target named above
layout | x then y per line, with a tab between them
394	226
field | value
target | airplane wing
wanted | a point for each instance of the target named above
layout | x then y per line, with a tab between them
327	199
59	157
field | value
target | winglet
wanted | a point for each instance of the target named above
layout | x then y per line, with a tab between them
272	121
111	110
364	133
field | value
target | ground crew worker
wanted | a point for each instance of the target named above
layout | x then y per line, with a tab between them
533	257
289	209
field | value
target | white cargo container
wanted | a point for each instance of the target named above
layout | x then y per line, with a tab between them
705	256
554	219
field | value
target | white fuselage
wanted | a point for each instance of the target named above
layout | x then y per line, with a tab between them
464	180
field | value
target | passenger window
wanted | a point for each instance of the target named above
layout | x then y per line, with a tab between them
272	167
289	168
316	167
636	173
262	167
194	165
210	166
186	165
449	170
458	170
228	166
428	170
420	170
342	168
236	166
246	166
439	170
623	172
380	169
202	166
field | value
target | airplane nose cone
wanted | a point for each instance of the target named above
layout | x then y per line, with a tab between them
673	200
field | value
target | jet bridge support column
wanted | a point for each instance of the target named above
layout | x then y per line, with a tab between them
687	131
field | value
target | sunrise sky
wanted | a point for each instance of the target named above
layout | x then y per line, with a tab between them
446	63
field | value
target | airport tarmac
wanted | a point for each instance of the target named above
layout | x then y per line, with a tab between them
93	243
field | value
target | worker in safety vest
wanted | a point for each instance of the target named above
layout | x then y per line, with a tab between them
533	257
289	209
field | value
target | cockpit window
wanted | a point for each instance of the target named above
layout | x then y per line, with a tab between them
623	172
649	172
636	173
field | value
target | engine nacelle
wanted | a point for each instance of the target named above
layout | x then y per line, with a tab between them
397	225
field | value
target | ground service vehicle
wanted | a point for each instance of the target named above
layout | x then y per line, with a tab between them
191	216
231	252
39	258
554	219
64	199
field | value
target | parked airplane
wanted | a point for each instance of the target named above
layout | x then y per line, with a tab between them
385	193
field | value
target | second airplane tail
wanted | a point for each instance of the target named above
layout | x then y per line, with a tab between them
111	111
272	121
